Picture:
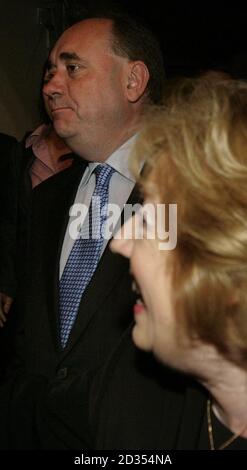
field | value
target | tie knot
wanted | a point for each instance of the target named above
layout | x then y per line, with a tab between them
103	173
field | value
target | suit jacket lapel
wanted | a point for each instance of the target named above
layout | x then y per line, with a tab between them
58	197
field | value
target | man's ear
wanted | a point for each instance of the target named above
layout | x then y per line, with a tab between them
137	80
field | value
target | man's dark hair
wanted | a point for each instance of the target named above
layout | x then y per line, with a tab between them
133	39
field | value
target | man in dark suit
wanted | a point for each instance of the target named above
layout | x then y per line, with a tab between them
100	75
94	92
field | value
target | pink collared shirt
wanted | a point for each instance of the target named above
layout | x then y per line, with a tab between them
45	165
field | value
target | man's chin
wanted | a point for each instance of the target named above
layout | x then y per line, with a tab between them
62	130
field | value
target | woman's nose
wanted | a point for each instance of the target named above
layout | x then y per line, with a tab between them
122	242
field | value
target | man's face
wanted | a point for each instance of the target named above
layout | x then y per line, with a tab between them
84	85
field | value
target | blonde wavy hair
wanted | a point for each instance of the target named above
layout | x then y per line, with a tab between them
196	149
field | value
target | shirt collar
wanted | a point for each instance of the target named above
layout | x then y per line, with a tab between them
37	135
119	160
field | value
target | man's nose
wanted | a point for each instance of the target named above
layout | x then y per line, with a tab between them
54	86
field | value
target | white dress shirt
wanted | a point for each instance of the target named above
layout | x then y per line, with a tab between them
121	184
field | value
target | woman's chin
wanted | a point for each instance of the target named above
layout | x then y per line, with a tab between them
141	339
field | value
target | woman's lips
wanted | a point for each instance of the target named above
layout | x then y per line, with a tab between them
138	308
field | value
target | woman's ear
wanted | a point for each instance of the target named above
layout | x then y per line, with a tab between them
137	80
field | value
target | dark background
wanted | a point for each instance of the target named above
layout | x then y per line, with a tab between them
194	39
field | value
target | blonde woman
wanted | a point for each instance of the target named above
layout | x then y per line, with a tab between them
191	310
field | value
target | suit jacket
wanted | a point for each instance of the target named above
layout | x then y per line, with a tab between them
141	404
132	403
104	314
106	306
150	401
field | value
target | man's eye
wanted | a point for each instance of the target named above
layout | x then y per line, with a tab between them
72	68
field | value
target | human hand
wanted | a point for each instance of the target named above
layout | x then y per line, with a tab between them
5	304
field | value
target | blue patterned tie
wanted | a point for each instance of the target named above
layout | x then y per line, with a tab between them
85	254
